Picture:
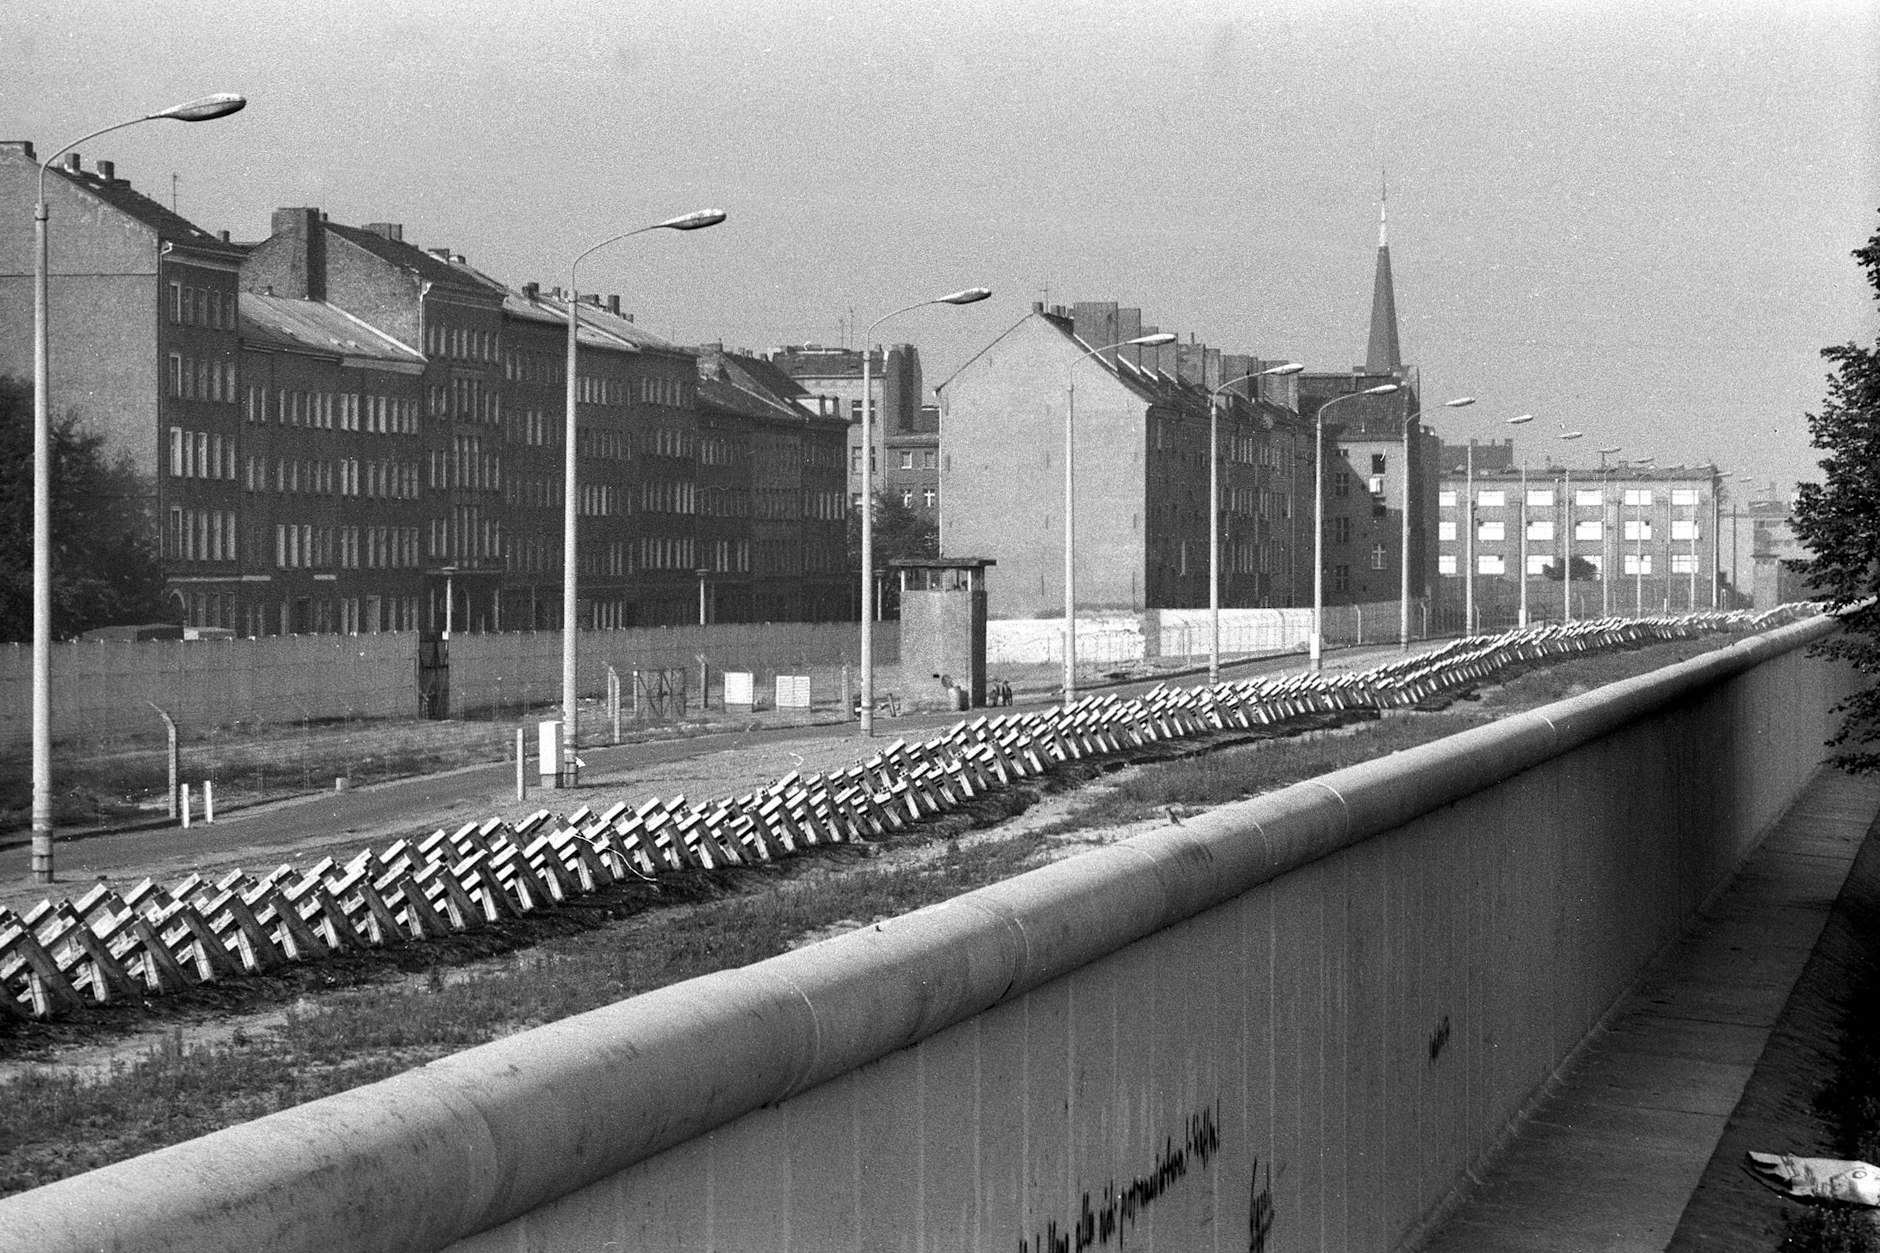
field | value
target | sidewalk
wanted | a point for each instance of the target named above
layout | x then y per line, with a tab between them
1610	1158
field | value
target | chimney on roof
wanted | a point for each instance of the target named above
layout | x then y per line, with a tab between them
22	146
442	254
222	235
1037	306
613	305
531	292
303	241
457	258
394	231
107	170
73	164
627	316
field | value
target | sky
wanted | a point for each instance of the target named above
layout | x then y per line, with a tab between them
1632	220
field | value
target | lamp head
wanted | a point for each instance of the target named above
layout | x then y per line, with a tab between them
1526	417
1151	341
971	296
1291	367
693	221
1609	451
1572	434
220	104
1382	389
1459	402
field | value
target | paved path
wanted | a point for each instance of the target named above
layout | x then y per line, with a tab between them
1610	1158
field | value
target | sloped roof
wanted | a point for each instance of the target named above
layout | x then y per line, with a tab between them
554	312
120	195
621	329
425	265
748	385
319	326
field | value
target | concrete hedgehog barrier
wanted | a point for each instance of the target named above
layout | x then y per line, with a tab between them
155	939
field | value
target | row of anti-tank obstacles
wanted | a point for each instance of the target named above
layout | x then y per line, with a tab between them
153	940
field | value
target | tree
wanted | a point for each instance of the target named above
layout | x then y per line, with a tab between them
1583	570
900	531
105	564
1838	520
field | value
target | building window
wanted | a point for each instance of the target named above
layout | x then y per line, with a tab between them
1684	495
1377	556
1542	497
927	459
928	497
1591	498
1684	563
1537	563
1341	530
1541	529
907	460
1491	531
1378	462
1638	496
907	498
1491	500
1341	483
1589	528
1341	578
1446	498
1446	531
1491	563
1638	529
1446	563
1683	528
1638	563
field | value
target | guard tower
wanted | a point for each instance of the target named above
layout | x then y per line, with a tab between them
943	620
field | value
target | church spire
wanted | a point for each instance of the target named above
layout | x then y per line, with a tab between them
1382	355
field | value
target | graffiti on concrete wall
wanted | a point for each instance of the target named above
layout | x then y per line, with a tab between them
1260	1212
1107	1217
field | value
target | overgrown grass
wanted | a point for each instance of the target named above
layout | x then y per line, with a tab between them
53	1125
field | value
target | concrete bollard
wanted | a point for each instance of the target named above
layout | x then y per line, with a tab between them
341	783
185	799
522	764
208	801
548	752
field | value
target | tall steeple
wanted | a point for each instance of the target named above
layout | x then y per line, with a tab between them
1382	355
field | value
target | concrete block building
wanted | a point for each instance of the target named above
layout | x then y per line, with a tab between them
1140	451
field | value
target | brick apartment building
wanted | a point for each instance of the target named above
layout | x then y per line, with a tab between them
906	432
1141	453
1641	539
345	432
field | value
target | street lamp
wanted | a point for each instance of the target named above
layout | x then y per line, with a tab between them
1605	566
972	295
1468	516
1318	517
1566	566
1403	557
570	707
204	109
1214	509
1070	499
1716	537
1638	549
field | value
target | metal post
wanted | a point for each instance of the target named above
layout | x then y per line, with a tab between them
868	545
1403	547
1316	653
1638	562
570	562
522	757
1566	566
1214	540
1468	573
1524	538
1070	543
208	802
42	557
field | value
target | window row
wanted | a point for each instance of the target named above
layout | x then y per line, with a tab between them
201	455
462	342
1592	497
464	535
465	466
212	307
331	411
464	398
1538	564
1583	529
200	535
201	378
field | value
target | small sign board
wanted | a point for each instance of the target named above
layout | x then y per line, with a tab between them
793	691
739	688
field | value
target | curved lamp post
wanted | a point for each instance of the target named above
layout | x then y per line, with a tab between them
1070	499
1318	517
1605	530
972	295
204	109
1566	566
1639	523
1403	561
1214	507
570	701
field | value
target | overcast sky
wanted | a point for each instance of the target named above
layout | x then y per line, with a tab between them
1633	219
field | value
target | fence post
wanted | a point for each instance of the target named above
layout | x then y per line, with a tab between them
636	694
185	793
704	683
613	699
169	727
522	760
208	802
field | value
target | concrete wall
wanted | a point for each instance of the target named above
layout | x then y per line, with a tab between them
1172	633
99	687
1293	1022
